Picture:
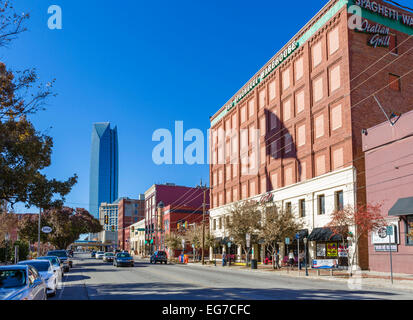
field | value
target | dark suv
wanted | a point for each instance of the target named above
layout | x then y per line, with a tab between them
62	254
159	256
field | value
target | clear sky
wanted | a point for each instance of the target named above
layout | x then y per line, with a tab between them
142	65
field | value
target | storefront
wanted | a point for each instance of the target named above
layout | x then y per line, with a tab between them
329	246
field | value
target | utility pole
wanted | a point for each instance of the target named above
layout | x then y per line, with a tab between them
38	235
203	225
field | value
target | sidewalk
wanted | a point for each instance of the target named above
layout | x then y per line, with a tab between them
367	278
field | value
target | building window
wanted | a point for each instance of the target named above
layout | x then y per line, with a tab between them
215	224
394	82
339	201
393	44
288	207
220	223
409	230
321	204
302	207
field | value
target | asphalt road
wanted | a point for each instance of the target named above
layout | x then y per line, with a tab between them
92	279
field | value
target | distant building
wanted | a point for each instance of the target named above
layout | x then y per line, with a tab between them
169	194
108	217
103	167
129	211
137	238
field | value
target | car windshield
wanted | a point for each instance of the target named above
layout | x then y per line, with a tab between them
123	255
100	252
109	254
12	278
53	260
161	253
41	266
60	254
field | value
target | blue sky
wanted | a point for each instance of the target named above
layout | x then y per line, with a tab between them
142	65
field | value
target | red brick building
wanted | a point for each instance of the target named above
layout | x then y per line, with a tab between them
170	195
178	219
129	212
310	103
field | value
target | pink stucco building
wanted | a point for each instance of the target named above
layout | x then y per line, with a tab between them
389	179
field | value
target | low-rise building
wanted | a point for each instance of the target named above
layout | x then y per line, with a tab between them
137	238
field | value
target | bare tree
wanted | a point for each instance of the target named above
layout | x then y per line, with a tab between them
245	218
278	224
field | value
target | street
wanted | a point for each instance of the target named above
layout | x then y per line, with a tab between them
92	279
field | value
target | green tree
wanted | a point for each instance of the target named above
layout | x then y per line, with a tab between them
67	225
24	152
174	241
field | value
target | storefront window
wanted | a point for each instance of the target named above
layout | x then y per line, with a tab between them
409	230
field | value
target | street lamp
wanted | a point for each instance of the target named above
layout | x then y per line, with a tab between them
305	255
6	238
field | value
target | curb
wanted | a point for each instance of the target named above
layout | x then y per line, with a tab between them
365	281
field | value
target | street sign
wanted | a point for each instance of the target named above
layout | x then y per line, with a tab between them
382	232
389	230
229	244
297	236
248	238
287	240
47	229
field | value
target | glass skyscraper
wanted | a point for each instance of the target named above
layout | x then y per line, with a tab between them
104	167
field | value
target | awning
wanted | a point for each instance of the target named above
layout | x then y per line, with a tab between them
402	207
323	234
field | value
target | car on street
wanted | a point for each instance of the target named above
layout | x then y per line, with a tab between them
46	272
93	254
56	264
108	257
62	255
159	256
100	254
123	259
21	282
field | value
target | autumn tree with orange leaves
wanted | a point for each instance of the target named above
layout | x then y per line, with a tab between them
362	218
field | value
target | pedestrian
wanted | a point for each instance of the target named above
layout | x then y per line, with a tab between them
277	260
291	258
224	259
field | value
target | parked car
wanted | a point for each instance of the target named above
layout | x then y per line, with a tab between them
56	264
62	254
159	256
123	259
93	254
47	273
100	254
108	257
21	282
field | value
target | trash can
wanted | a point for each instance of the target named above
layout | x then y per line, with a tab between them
253	264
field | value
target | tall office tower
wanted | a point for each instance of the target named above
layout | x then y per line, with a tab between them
104	169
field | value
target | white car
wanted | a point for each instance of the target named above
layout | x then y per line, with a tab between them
56	265
100	255
47	273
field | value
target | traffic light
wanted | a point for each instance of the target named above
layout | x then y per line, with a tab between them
186	224
106	219
133	229
113	228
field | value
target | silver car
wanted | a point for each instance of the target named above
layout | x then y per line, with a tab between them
21	282
56	265
46	272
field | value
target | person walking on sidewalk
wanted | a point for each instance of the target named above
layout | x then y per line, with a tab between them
277	260
291	258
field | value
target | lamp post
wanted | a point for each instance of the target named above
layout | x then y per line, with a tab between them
6	238
305	255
